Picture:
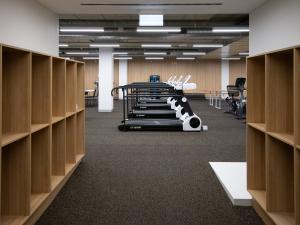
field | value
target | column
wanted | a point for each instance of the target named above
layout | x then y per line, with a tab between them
106	79
224	74
122	75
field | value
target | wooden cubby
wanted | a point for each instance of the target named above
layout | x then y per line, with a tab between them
38	138
15	185
41	92
71	88
71	140
80	150
273	135
59	148
80	87
16	73
58	89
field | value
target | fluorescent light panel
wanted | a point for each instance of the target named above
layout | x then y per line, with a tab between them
194	53
82	29
120	53
230	30
185	58
154	58
207	46
244	53
158	29
120	58
105	45
77	53
90	58
63	45
231	58
156	46
155	53
151	20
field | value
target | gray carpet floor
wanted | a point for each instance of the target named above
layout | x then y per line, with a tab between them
152	178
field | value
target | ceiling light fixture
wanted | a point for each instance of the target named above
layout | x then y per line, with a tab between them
230	30
156	46
124	58
155	53
105	45
244	53
120	53
151	20
185	58
82	29
90	58
231	58
194	53
154	58
207	46
63	45
77	53
158	29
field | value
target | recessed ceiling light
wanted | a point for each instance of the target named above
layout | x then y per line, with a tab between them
151	20
244	53
124	58
231	58
63	45
105	45
158	29
194	53
120	53
185	58
155	53
230	30
91	58
154	58
77	53
82	29
156	46
207	46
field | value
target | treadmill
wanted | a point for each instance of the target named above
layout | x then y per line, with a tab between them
191	122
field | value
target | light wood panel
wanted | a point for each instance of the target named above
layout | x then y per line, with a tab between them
80	86
237	68
71	89
205	73
80	133
58	87
92	71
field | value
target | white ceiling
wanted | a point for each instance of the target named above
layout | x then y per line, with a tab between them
227	7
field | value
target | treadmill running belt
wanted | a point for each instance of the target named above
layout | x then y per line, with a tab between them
152	114
154	124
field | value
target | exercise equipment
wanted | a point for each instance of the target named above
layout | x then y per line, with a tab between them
236	99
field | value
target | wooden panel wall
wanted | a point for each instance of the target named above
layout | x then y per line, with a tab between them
91	73
236	69
206	73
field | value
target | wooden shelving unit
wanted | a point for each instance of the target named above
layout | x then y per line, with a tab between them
273	135
41	138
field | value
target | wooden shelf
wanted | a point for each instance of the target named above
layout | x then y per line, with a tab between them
37	127
273	135
58	87
71	76
36	131
56	119
280	218
80	110
41	89
68	114
259	126
16	78
80	132
70	139
10	138
286	138
59	148
80	87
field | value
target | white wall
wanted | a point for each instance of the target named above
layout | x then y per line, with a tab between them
224	74
274	25
27	24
